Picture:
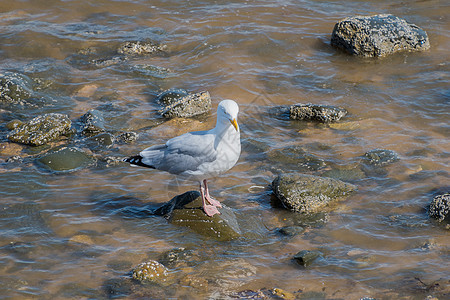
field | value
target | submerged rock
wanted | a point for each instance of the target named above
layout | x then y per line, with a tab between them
127	137
66	159
186	210
308	193
15	88
378	35
316	112
307	257
176	257
188	106
296	157
381	157
151	271
141	48
440	208
41	130
92	123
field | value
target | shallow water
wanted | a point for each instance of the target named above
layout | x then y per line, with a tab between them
263	54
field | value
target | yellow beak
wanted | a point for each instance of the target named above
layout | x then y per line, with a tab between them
235	124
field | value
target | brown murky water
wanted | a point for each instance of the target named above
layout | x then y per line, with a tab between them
378	243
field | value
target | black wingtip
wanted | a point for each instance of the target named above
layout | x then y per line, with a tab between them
137	161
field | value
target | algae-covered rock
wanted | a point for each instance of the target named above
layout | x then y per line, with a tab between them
141	48
381	157
171	96
188	106
316	112
176	257
41	130
307	257
15	88
378	35
296	157
440	208
308	193
92	123
151	271
66	159
127	137
186	210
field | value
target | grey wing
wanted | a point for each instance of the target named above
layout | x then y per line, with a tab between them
183	153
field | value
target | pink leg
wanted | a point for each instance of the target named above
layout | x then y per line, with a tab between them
210	210
211	200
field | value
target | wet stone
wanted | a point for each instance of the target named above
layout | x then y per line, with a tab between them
142	48
171	96
440	207
92	123
152	71
176	257
381	157
291	230
127	137
186	210
11	125
101	140
188	106
66	159
316	112
296	158
378	35
151	271
41	130
308	193
15	88
307	257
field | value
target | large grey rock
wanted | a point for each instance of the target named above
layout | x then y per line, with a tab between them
41	130
440	208
14	88
186	210
316	112
308	193
188	106
378	35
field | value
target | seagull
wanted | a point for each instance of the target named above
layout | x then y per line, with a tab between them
199	155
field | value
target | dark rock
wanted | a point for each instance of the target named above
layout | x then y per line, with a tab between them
307	193
152	71
171	96
101	140
175	257
66	159
188	106
92	122
141	48
295	157
41	130
106	62
307	257
381	157
378	35
15	88
186	210
316	112
440	207
127	137
291	230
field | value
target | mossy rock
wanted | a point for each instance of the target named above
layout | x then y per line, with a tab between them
151	271
41	130
316	112
308	193
66	159
188	106
15	88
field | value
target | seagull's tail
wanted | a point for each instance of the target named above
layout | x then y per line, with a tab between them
137	161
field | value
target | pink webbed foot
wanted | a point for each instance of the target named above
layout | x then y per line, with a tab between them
210	210
213	201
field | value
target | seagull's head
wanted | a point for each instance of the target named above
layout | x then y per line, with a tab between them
227	113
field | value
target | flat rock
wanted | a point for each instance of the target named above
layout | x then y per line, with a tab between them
186	210
41	130
440	208
92	123
316	112
378	35
307	257
66	159
309	194
188	106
